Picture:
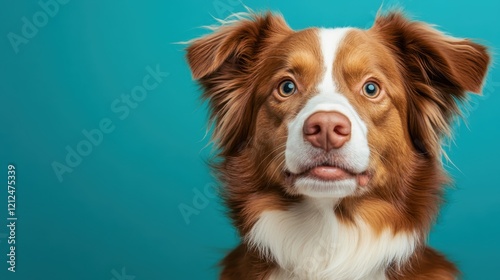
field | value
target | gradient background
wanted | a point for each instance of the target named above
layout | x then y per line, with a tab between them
116	216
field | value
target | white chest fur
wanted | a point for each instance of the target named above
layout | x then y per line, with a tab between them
308	242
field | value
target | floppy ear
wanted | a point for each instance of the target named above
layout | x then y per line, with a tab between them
223	62
438	71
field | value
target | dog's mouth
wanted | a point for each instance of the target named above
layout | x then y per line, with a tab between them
329	172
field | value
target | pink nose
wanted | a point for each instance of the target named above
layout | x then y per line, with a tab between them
327	130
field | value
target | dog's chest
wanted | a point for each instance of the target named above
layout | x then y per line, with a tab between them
309	242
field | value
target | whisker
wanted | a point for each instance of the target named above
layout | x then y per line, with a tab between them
270	162
274	150
372	149
276	169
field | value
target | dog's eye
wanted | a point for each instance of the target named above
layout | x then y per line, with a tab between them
287	88
371	89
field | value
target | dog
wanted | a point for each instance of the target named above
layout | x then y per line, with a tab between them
329	142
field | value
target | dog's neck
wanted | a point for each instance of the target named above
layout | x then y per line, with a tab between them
308	241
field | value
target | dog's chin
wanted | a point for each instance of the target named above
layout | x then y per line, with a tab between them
328	182
314	187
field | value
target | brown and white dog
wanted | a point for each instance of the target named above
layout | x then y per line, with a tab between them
329	143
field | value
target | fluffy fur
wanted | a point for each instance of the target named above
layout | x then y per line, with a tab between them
373	223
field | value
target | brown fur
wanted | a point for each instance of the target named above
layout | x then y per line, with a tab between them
423	75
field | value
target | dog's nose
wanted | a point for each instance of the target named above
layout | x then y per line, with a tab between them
327	130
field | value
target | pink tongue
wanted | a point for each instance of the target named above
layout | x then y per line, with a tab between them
329	173
363	180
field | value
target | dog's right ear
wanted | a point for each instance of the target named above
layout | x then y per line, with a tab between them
223	63
234	44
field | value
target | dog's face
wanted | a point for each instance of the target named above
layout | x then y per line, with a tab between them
333	112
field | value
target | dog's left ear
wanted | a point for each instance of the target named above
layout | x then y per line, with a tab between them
437	70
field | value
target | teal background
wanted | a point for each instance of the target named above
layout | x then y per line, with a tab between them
116	216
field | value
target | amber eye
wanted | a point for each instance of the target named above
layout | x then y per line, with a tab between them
287	88
371	89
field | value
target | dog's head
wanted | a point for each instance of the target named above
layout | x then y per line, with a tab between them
332	112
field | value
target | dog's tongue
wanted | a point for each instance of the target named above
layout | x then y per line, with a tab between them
329	173
363	179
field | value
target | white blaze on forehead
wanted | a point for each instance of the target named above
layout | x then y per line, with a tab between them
300	153
330	40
